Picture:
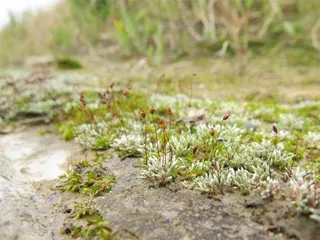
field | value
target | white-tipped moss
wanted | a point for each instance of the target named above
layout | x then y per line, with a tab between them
161	169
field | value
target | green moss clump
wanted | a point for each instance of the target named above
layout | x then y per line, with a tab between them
65	63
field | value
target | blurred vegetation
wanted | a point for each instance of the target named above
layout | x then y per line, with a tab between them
67	63
164	30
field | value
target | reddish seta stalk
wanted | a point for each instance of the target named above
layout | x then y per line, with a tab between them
275	130
144	115
169	111
152	112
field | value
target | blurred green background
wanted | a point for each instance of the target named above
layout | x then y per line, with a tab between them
167	30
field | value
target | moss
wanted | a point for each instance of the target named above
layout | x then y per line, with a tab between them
81	209
91	183
96	228
66	63
252	149
93	225
66	131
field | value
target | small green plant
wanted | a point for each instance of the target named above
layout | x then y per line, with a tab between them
96	228
96	185
66	131
83	209
65	63
72	182
90	183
